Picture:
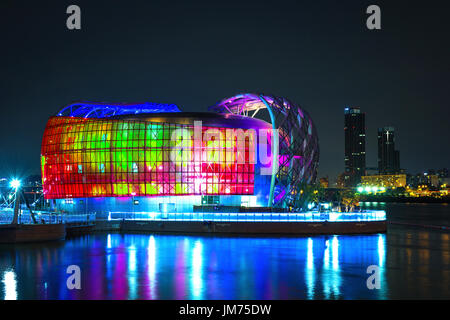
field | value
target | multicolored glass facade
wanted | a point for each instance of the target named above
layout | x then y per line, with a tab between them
92	157
124	157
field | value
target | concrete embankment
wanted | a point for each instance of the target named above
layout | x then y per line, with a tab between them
232	227
97	226
104	225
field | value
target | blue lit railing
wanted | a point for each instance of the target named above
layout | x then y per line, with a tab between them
375	215
6	216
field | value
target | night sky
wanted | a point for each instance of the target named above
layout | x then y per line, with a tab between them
319	54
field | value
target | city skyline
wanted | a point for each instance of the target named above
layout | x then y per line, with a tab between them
397	79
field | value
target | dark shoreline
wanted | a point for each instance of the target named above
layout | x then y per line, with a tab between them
405	199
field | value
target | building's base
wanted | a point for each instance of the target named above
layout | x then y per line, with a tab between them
75	230
107	226
31	232
254	227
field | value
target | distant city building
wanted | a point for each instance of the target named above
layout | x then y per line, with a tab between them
388	157
414	180
324	182
33	180
355	145
443	173
433	180
384	180
341	180
445	182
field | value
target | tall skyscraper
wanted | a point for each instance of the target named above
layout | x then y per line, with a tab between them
355	145
388	157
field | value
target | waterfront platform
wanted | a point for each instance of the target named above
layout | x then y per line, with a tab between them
248	227
305	223
31	232
252	223
49	226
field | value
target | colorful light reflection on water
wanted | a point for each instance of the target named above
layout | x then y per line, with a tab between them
414	264
137	266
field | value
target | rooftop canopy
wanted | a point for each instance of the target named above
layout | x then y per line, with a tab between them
106	110
244	103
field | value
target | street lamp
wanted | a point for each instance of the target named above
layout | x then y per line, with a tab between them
15	184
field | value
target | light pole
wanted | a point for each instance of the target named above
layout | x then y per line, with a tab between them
15	184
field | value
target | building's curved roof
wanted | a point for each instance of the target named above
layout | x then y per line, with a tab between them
107	110
246	102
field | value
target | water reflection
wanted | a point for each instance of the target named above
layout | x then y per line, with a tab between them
310	272
196	270
10	283
136	266
151	267
131	272
413	264
331	276
381	250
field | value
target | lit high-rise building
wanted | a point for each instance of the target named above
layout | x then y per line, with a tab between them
355	145
388	157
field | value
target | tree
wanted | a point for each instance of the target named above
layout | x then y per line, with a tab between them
310	193
348	198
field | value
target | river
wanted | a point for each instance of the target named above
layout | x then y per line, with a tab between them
412	263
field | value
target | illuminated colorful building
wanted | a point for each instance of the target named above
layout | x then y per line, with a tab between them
128	158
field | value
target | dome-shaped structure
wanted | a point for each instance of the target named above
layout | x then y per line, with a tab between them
296	146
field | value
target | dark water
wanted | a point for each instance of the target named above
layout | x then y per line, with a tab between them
414	263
